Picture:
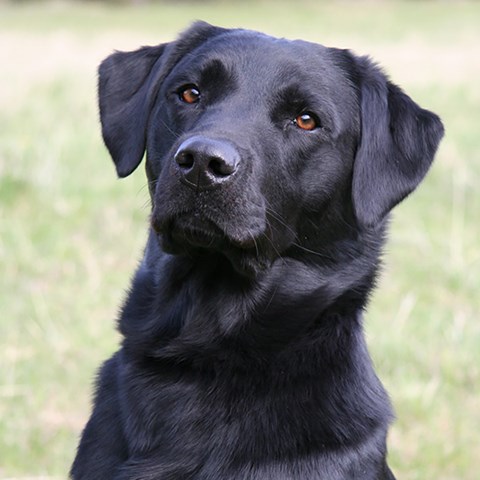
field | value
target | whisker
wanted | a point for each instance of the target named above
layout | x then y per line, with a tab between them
141	191
271	297
176	135
273	246
252	236
282	222
313	252
280	219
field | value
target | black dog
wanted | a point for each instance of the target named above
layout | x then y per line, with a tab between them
272	167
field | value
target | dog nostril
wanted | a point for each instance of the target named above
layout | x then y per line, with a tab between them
220	168
185	160
205	163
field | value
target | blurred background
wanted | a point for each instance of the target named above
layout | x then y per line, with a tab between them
71	234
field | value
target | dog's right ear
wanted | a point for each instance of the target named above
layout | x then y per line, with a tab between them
124	94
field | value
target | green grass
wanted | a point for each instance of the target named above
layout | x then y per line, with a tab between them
71	234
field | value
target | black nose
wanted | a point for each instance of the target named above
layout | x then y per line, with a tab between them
206	163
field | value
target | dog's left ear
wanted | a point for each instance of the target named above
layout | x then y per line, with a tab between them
398	142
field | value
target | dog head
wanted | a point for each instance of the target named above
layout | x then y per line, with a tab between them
256	146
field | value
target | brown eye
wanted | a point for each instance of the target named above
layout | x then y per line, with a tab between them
306	121
190	94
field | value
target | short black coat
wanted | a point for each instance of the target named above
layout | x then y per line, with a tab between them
243	354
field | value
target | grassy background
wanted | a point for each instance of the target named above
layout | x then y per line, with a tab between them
70	234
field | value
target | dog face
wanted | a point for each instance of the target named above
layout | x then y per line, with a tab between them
258	146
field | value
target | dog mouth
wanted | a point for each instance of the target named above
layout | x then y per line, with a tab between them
196	231
191	234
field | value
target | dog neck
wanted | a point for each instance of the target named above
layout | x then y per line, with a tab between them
282	308
283	333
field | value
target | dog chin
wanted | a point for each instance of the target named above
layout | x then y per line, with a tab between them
184	236
248	263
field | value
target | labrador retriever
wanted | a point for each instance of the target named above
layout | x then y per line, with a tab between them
272	167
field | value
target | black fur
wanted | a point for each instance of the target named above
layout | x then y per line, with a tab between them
243	355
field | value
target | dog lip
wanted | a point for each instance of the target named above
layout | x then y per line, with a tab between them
190	230
243	242
197	237
201	232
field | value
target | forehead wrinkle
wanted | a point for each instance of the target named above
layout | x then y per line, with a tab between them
215	70
267	64
262	66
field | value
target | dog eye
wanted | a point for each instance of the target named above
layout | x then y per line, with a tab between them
189	94
306	121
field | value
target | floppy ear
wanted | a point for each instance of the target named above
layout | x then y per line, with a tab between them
123	94
398	142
